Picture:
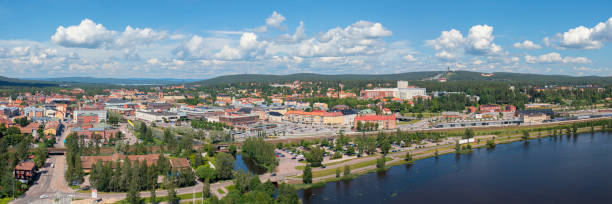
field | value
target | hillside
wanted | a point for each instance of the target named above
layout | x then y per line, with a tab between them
5	81
535	79
515	78
264	78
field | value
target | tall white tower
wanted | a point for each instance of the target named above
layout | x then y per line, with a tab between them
402	84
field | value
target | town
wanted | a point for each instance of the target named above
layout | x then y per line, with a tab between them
305	102
73	143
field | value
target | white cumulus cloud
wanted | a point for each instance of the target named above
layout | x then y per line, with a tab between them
275	20
553	58
582	37
527	44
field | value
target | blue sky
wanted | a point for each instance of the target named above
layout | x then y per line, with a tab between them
193	39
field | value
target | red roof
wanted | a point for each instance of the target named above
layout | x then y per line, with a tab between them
25	166
374	117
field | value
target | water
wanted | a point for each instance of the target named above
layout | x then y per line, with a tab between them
247	165
562	169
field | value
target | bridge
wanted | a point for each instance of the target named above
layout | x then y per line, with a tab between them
56	151
405	118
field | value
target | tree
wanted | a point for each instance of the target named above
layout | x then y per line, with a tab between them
153	198
307	176
287	194
133	196
347	170
380	162
172	197
206	173
40	156
206	189
315	156
469	133
525	134
260	152
408	156
225	166
233	150
337	172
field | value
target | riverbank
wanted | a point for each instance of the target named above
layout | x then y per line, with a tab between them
502	137
559	169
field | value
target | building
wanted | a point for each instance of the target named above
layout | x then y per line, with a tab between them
403	91
25	171
489	108
275	116
384	121
100	113
533	117
157	116
315	117
234	120
9	111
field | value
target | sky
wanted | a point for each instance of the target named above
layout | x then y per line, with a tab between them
204	39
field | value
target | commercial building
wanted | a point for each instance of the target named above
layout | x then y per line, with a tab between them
157	116
239	119
315	117
403	91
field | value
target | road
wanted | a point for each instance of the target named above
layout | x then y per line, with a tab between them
50	182
128	135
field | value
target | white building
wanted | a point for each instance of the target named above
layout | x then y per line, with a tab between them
157	116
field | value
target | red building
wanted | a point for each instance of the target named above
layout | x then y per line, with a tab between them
490	108
25	170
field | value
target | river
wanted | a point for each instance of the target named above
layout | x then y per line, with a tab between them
561	169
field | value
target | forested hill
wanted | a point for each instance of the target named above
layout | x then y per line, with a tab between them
534	79
265	78
5	81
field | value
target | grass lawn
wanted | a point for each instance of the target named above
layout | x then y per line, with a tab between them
332	171
5	200
220	190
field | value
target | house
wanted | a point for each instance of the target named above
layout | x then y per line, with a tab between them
25	171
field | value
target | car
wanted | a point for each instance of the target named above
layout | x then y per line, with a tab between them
273	174
43	196
322	166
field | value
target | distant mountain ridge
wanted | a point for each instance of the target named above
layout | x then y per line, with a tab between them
535	79
269	78
118	81
5	81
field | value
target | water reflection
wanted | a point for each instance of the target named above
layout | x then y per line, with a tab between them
498	173
247	165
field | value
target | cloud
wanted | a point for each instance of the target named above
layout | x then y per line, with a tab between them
409	58
445	55
275	20
479	41
88	34
360	38
582	37
555	58
528	45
